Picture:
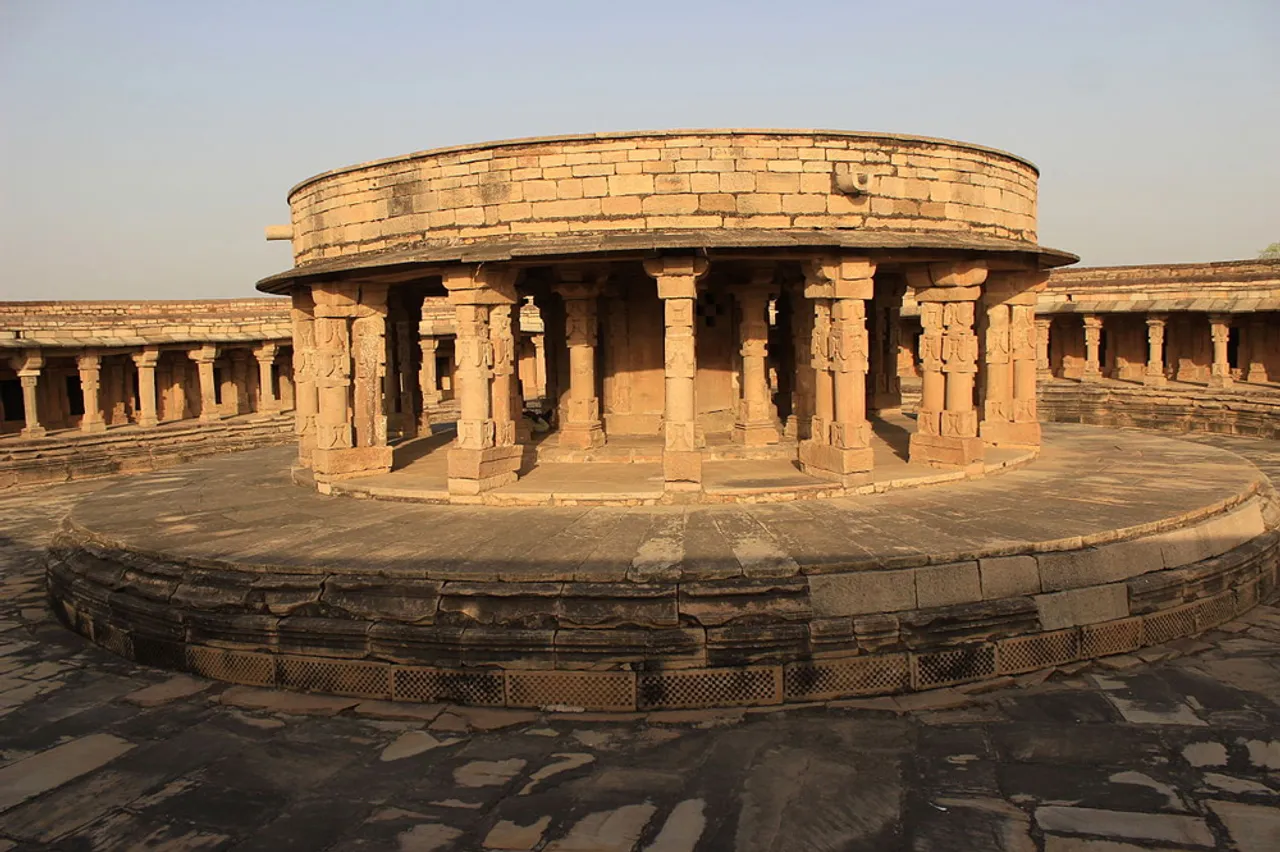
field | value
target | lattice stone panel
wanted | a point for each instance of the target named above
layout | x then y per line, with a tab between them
411	683
1169	624
869	675
337	677
952	666
587	690
1038	651
1110	637
1215	610
235	666
114	639
710	688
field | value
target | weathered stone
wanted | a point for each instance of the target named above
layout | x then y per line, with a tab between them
1168	828
862	592
1009	576
1083	606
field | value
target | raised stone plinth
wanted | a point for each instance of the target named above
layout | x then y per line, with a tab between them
1083	554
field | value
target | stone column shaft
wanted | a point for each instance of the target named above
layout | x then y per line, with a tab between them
266	357
28	367
756	424
1092	341
1154	375
1043	367
1010	359
677	279
580	420
146	364
306	402
90	366
204	357
428	381
1220	331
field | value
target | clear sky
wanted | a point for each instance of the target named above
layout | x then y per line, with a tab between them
145	143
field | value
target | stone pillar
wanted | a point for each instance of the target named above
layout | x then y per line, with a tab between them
266	357
302	316
800	423
947	293
1010	359
350	359
239	402
1220	331
406	381
580	422
839	446
428	381
540	365
146	361
1154	375
756	424
204	357
1043	367
90	366
1256	372
28	367
506	375
677	279
1092	340
476	462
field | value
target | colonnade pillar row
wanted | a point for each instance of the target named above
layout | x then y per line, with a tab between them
1092	344
1220	331
28	367
265	355
1011	353
756	423
580	426
204	356
677	279
90	366
146	361
485	454
1154	376
947	425
302	315
838	447
349	366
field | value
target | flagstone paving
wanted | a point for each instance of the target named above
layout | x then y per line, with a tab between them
1173	748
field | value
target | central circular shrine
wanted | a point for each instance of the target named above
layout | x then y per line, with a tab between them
659	342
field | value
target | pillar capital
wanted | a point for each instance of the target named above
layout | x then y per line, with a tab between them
961	274
1157	320
481	284
203	354
839	277
266	351
28	364
677	275
1091	321
148	357
89	360
1015	286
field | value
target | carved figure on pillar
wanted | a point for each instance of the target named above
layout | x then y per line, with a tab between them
1010	359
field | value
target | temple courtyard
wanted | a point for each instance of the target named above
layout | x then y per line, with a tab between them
1171	747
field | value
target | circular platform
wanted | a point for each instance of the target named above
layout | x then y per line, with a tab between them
1108	542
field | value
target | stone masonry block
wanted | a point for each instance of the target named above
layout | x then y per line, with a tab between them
944	585
862	592
1092	566
1009	576
1083	606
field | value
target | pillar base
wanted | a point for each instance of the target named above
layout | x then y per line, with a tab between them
755	434
148	422
845	465
210	418
476	471
945	450
1091	375
1157	381
580	436
332	465
682	470
36	432
1221	381
93	426
1004	434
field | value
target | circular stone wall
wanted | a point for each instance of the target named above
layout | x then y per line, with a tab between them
665	181
229	571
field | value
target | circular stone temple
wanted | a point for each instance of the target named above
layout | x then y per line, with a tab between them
615	522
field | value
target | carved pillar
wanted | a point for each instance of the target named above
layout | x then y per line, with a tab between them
265	355
28	367
947	294
677	279
506	375
1010	359
580	425
839	447
428	381
886	385
756	423
1257	348
1092	340
1154	375
302	315
1220	331
406	381
204	357
350	361
540	365
90	366
1043	367
477	462
803	315
146	363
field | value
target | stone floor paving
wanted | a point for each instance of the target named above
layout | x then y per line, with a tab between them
1174	748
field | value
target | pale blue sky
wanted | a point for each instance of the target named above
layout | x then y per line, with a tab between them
144	145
